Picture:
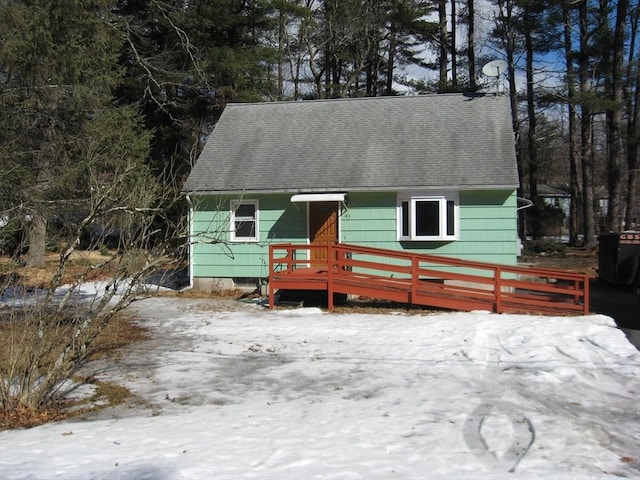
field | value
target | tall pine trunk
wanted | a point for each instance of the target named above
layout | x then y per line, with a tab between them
536	227
505	11
633	129
614	117
453	47
574	186
585	132
471	45
444	45
391	61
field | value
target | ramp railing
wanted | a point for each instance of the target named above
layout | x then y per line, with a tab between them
425	279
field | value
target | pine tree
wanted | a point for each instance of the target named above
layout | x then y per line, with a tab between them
59	64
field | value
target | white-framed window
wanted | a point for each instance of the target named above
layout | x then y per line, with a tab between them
425	217
244	221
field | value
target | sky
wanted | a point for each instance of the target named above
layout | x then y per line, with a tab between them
232	390
548	68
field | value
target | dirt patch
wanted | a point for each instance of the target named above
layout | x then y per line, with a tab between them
79	264
574	260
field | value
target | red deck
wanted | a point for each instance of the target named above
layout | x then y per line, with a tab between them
429	280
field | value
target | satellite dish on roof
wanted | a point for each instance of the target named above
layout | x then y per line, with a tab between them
494	68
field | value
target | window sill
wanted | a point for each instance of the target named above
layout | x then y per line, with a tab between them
428	239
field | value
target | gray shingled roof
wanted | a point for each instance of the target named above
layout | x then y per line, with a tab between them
383	143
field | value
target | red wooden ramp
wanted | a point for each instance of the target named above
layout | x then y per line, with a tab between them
422	279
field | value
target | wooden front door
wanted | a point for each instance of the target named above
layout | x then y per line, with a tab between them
323	226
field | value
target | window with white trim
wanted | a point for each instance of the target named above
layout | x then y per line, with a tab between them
428	217
244	221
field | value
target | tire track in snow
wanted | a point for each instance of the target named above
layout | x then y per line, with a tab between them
483	442
522	437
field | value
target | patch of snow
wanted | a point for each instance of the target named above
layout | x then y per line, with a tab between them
235	391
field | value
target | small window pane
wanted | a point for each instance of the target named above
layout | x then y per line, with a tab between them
405	219
244	219
451	218
245	229
427	218
246	210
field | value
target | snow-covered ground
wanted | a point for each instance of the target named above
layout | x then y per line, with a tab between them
235	391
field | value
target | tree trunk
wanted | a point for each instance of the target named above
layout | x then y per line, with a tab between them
391	61
631	220
281	54
573	137
444	45
585	132
614	115
505	8
471	47
536	231
37	235
454	60
633	130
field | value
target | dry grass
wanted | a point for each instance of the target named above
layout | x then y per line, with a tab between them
121	332
18	416
574	260
41	277
192	293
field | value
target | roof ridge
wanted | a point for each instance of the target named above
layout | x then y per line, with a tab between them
360	99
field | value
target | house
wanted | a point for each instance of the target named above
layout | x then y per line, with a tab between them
431	174
556	226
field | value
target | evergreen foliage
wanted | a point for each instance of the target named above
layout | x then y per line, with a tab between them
59	67
68	66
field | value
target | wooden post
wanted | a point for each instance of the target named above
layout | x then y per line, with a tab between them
415	278
331	262
497	285
585	297
272	293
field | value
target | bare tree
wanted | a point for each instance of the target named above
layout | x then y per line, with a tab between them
574	184
507	34
50	332
614	120
452	45
633	125
444	45
586	120
471	45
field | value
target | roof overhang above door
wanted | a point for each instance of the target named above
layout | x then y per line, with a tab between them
319	197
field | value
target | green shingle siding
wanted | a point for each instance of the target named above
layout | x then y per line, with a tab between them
488	230
279	222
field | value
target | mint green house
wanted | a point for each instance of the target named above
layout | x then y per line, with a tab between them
433	174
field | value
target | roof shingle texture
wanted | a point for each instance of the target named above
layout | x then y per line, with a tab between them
365	144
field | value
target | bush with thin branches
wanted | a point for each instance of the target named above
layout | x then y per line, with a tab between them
49	327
